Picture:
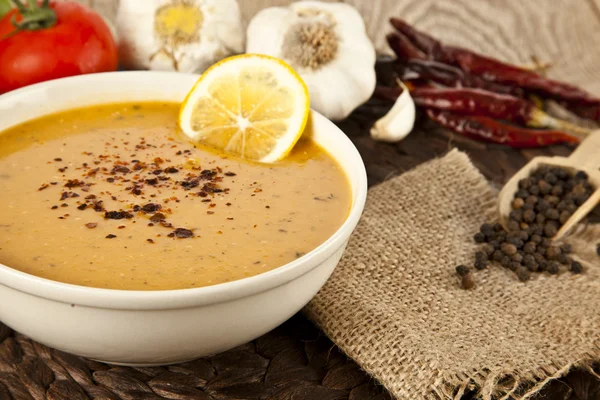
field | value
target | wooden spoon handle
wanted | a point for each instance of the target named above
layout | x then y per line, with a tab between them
587	155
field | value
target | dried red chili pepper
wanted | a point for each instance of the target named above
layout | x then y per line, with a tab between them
403	48
491	69
477	102
491	130
448	75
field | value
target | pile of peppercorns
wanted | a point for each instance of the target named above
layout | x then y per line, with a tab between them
543	203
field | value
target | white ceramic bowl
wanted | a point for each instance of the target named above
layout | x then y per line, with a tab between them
163	327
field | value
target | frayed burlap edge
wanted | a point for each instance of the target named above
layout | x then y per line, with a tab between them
489	383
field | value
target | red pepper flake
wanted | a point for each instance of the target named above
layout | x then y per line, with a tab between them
158	217
150	224
181	233
211	205
206	200
117	215
53	183
257	190
82	206
230	218
152	181
157	171
90	196
136	191
98	207
166	224
210	212
178	153
202	194
121	227
91	225
138	165
120	168
255	226
219	232
158	161
149	240
171	170
150	207
114	198
85	188
230	173
44	186
267	206
58	159
63	169
227	204
54	207
64	205
110	180
72	183
111	236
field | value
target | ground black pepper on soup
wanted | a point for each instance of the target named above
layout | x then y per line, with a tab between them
114	196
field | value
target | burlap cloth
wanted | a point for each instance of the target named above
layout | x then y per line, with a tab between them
395	306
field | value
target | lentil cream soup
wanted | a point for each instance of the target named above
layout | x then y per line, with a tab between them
114	196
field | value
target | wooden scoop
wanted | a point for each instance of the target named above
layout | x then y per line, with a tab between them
585	158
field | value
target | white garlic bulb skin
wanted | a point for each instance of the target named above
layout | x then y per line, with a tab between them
341	73
178	35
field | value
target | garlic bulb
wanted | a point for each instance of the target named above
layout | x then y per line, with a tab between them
179	35
326	43
398	122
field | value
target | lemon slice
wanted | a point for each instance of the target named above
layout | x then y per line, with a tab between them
251	105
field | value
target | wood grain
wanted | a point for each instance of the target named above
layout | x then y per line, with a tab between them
565	33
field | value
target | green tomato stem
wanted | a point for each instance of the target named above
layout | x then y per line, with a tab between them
5	7
34	16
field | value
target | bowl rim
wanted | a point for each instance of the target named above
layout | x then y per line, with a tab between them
190	297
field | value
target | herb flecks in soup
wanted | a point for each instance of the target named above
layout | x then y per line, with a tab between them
115	197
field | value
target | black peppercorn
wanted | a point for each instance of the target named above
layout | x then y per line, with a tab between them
542	205
480	264
513	226
516	215
542	265
552	267
518	203
539	257
566	248
597	249
462	270
529	247
540	218
564	259
550	178
498	255
536	239
505	262
552	214
581	175
557	190
514	265
553	252
495	244
576	267
529	259
487	229
498	227
480	255
467	282
479	237
553	200
488	249
508	248
545	187
525	183
529	216
517	257
523	274
534	190
522	194
531	200
550	229
564	217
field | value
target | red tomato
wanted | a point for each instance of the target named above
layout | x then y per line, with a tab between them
79	43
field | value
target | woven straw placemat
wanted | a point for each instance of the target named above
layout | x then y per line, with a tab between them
395	306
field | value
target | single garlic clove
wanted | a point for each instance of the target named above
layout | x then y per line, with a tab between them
398	122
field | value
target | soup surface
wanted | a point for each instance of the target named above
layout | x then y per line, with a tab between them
116	197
